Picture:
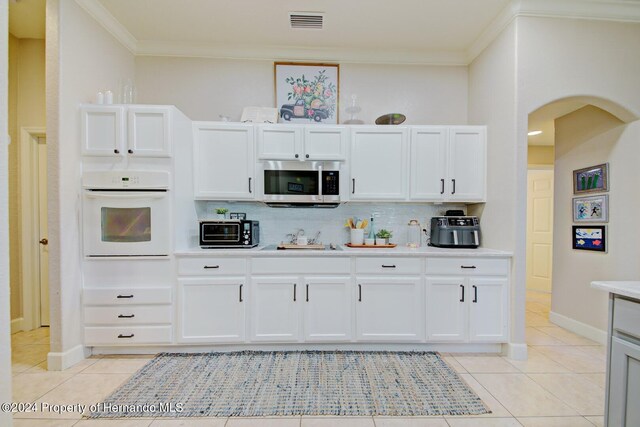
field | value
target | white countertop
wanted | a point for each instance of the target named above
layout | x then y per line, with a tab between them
403	251
629	289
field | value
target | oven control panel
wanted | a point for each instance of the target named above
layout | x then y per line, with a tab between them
114	180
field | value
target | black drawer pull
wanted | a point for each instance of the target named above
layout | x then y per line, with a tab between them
462	293
124	316
475	293
241	292
125	336
359	293
468	266
388	266
294	291
124	296
211	266
307	292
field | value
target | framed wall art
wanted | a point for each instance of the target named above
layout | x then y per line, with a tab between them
591	209
589	238
591	180
307	92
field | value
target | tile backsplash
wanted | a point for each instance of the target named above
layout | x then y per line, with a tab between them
276	223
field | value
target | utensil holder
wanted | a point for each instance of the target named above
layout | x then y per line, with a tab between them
357	236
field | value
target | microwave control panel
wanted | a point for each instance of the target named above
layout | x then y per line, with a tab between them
331	183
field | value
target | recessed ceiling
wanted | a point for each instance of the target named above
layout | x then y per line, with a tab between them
27	19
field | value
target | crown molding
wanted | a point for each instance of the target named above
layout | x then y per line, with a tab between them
109	23
608	10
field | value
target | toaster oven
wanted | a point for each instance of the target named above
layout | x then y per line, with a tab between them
232	233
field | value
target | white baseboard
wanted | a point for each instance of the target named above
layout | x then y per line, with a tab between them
16	325
516	351
62	361
579	328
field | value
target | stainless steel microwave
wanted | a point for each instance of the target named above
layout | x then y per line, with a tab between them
301	184
229	233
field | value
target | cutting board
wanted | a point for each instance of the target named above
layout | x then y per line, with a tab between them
390	245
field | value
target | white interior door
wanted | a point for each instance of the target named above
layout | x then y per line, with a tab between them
539	229
43	235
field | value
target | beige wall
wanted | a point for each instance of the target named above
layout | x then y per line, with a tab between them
540	155
587	137
26	109
206	88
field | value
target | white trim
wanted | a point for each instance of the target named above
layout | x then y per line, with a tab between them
579	328
516	351
16	325
62	361
28	232
608	10
109	23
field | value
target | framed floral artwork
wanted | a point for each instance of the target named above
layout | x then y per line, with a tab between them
594	179
307	92
589	238
591	209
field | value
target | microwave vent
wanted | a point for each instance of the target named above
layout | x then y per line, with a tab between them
306	20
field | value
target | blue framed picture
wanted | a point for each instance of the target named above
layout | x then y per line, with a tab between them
589	238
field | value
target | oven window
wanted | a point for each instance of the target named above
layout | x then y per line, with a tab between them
126	225
295	183
221	233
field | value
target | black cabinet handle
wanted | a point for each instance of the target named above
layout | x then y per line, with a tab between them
250	186
468	266
307	292
123	316
359	293
297	156
353	187
130	151
388	266
124	296
116	151
475	293
125	336
462	293
211	266
307	156
241	293
294	292
453	181
442	186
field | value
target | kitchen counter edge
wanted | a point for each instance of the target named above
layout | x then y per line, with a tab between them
626	288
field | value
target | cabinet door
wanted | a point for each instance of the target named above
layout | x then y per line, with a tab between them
467	163
327	309
624	384
280	142
211	310
224	166
379	163
488	310
275	303
389	309
149	131
428	147
447	299
102	130
325	142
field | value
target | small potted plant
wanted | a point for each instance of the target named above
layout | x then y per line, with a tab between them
383	236
222	212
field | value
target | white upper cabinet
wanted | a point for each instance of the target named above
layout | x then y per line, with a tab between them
109	130
224	164
448	163
297	142
379	163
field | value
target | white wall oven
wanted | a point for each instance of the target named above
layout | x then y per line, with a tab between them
126	213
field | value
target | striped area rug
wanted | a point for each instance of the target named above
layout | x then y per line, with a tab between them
252	383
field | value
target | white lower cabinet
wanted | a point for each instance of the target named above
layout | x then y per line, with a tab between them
389	309
488	310
327	309
211	310
447	310
275	312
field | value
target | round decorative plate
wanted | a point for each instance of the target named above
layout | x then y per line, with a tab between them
391	119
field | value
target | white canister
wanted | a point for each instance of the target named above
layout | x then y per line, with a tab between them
108	97
413	234
100	98
369	242
357	236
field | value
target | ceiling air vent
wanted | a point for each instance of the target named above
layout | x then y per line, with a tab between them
306	20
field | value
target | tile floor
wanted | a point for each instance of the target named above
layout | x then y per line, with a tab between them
561	384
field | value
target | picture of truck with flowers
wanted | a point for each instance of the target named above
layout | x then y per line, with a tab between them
312	99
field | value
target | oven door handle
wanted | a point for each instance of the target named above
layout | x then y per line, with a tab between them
126	195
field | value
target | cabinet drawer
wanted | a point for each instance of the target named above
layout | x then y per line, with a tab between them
211	266
127	335
388	265
127	315
127	296
472	266
318	265
626	317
